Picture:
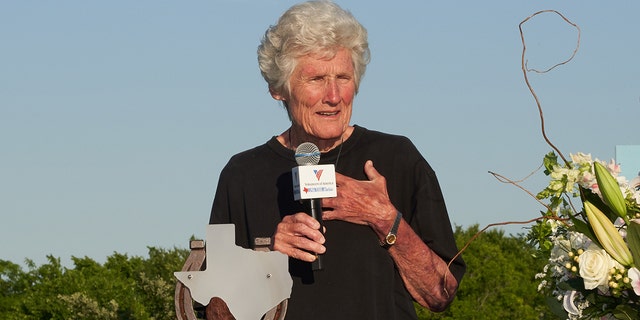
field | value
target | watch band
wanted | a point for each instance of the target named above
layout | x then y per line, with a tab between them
391	237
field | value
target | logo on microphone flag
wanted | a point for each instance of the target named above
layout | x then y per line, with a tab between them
314	181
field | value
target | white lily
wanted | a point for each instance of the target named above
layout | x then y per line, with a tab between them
608	235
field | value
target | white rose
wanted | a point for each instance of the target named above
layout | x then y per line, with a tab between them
594	268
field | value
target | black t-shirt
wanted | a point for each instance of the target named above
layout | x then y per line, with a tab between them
359	279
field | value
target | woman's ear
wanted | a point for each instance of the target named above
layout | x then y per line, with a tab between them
276	95
280	97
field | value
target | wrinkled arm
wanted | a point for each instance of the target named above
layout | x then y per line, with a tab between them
425	275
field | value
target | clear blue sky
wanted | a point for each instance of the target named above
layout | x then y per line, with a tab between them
116	117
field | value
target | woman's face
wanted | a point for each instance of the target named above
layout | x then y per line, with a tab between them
320	98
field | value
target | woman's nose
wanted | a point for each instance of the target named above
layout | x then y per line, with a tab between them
332	93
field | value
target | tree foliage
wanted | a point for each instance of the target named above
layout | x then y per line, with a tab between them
499	283
122	288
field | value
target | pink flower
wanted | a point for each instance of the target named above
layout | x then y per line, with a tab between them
613	167
634	275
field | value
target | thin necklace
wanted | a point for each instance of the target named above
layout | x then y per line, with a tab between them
339	148
339	151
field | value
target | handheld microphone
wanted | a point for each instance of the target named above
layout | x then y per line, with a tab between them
311	183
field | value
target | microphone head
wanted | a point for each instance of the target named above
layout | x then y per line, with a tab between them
307	154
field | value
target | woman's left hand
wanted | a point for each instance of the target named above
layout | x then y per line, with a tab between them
362	202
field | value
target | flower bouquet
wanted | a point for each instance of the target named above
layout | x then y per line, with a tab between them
593	249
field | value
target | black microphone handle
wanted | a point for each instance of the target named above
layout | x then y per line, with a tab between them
315	210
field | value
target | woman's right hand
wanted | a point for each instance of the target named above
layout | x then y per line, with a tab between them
299	237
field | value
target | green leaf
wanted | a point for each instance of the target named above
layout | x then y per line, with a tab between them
625	312
633	239
573	284
550	160
588	195
556	307
582	227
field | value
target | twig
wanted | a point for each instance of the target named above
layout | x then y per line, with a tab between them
503	179
501	224
575	51
526	79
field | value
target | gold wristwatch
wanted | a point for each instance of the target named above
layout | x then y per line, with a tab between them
391	237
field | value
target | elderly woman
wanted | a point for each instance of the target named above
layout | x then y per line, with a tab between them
387	238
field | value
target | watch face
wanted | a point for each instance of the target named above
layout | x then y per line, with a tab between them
391	239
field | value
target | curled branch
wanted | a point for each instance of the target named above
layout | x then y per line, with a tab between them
525	70
503	179
500	224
